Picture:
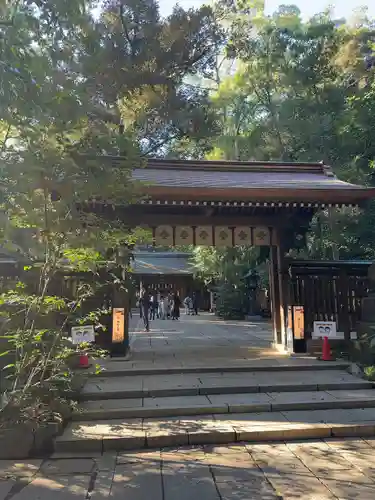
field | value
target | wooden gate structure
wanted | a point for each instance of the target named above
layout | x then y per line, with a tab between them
228	203
328	291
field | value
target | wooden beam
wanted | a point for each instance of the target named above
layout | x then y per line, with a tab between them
154	220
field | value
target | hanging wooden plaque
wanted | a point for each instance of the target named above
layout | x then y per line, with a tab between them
203	235
164	236
184	235
242	235
261	236
223	236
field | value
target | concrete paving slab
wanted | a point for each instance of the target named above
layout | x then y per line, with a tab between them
19	468
187	482
176	402
286	398
257	489
165	432
102	486
256	419
320	458
184	454
239	399
113	384
287	474
358	452
139	457
79	436
363	394
349	486
110	404
68	466
122	435
6	487
332	416
206	432
175	382
69	487
137	482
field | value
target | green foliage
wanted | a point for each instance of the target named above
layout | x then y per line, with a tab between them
302	91
370	373
231	301
73	84
223	270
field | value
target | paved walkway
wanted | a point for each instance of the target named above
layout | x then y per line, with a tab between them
341	469
200	337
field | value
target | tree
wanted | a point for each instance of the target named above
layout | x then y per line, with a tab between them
139	62
303	91
72	84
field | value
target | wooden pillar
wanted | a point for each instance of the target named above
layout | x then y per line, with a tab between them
283	279
275	296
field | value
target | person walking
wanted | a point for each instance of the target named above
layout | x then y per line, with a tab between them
176	306
153	307
195	304
187	304
144	307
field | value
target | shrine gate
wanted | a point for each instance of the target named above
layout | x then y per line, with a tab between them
228	203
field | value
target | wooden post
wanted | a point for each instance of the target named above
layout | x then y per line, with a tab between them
275	296
283	280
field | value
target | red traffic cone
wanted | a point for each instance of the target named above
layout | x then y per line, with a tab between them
326	351
83	360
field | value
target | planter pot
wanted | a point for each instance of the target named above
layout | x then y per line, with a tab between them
16	443
73	362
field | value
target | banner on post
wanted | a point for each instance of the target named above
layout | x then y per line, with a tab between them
118	325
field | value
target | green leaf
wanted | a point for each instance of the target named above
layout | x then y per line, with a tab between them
12	365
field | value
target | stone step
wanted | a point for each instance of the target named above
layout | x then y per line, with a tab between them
115	367
99	388
100	436
224	403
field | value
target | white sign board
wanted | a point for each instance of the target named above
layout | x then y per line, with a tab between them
82	334
324	329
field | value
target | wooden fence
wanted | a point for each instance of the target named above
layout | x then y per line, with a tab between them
329	291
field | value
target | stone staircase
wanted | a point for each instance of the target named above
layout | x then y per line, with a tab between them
130	408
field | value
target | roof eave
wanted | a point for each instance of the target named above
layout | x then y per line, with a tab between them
347	195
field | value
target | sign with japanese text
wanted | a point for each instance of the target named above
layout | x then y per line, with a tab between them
81	334
324	329
299	322
118	325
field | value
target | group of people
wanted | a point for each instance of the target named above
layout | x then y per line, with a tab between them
158	306
152	306
191	304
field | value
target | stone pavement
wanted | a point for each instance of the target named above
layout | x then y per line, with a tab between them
199	337
202	381
330	469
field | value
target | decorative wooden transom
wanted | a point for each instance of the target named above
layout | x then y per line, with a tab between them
220	236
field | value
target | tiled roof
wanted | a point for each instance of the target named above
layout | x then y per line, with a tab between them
276	181
162	263
260	180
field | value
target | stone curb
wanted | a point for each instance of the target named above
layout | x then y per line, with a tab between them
227	436
169	411
334	365
207	390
